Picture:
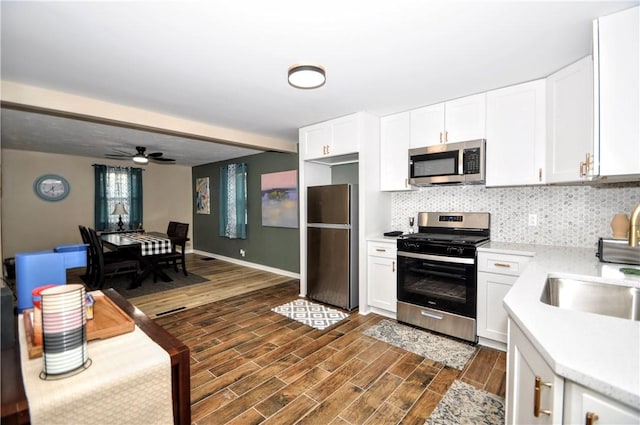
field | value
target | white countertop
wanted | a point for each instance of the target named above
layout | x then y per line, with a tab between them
387	239
596	351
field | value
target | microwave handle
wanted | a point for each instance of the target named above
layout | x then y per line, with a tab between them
461	162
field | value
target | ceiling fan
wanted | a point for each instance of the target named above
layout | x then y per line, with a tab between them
140	157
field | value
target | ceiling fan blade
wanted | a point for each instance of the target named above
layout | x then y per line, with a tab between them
123	153
160	159
154	154
119	157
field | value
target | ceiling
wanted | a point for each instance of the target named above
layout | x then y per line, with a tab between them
224	63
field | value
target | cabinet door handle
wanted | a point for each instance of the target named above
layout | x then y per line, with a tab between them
381	250
536	398
446	136
441	137
328	147
590	418
393	266
502	265
539	174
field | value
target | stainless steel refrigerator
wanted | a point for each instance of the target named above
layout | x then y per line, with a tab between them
332	245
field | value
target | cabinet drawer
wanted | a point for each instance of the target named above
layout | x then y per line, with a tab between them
382	249
502	263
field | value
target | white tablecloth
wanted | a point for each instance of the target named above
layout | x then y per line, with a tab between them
129	382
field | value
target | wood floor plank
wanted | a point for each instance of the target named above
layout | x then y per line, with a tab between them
387	413
409	391
239	405
337	379
481	365
365	405
330	408
292	412
289	394
365	378
422	408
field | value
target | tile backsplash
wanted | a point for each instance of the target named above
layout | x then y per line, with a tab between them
567	215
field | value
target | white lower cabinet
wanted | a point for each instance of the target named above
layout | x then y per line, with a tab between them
382	265
534	391
582	404
496	274
536	395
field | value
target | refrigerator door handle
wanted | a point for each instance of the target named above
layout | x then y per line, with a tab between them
329	226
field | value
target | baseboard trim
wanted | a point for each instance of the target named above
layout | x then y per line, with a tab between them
248	264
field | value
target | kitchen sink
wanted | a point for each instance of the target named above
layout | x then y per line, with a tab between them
593	297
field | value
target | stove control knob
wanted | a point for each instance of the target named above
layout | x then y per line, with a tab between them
455	250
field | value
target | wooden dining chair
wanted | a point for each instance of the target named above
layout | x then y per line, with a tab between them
171	228
89	274
108	268
179	240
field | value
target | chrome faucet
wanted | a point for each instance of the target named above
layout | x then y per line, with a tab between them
634	227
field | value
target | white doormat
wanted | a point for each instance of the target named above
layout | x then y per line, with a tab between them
311	314
465	404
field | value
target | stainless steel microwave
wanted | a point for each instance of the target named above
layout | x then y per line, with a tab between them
461	162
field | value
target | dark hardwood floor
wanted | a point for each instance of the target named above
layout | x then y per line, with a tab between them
250	365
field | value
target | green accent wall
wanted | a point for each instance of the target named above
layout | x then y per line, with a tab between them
277	247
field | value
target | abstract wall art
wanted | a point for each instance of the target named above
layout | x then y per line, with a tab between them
203	202
279	193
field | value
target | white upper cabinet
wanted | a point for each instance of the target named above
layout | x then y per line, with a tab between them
395	139
330	139
516	135
570	123
617	93
465	118
454	121
427	126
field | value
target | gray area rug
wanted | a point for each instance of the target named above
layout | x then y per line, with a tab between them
179	280
465	404
426	344
311	314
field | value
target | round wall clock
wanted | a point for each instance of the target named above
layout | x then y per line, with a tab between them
51	187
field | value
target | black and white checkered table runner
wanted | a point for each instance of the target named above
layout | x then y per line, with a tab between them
151	245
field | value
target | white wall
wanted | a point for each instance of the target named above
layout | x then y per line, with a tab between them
29	223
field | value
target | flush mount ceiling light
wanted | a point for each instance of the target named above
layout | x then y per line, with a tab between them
306	76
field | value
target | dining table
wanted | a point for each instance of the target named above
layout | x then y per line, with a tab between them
147	247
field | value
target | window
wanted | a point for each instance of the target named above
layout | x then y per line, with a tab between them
233	201
117	185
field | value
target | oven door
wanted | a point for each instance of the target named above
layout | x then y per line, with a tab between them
439	282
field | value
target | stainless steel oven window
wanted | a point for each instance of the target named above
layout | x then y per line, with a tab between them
439	282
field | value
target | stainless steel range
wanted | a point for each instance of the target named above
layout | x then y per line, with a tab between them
437	288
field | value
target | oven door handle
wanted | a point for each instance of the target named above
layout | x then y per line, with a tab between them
441	258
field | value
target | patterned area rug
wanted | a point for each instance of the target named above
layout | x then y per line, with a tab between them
311	314
426	344
465	404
